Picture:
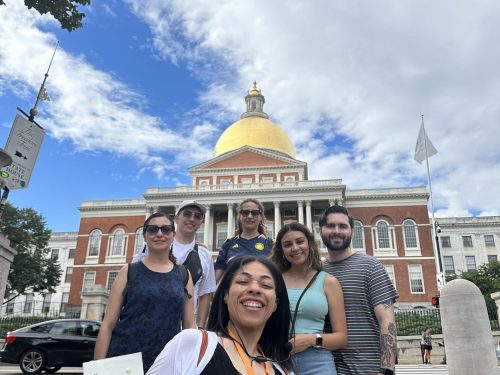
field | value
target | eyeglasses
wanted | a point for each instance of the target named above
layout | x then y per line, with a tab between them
165	229
189	213
246	213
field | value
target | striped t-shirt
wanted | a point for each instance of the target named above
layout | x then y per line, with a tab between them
365	284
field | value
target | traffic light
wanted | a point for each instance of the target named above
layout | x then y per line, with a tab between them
435	301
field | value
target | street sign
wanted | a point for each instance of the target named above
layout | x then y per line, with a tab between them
23	145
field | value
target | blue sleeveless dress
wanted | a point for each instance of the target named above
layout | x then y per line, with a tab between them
151	314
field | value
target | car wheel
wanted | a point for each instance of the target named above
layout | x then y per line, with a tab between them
32	362
52	369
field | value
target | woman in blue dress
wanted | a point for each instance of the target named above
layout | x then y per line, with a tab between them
297	256
147	310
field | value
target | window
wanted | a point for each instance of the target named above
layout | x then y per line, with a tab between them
139	241
88	280
267	181
111	279
358	241
390	272
94	243
449	265
410	234
445	241
289	180
66	328
90	329
9	309
117	243
289	212
270	229
467	241
492	258
416	279
69	274
489	240
64	302
224	183
318	211
221	234
470	263
200	235
71	254
383	236
42	328
46	303
28	304
204	184
246	182
55	254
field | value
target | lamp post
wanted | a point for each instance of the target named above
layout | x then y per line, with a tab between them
440	275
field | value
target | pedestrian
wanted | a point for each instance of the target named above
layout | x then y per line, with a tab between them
427	344
313	295
250	237
369	297
248	327
195	256
148	300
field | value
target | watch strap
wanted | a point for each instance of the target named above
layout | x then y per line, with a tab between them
386	371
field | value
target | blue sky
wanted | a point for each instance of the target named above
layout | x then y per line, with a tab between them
145	89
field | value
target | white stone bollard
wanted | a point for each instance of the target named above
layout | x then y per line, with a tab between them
466	330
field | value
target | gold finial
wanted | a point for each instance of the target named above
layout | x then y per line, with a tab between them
254	90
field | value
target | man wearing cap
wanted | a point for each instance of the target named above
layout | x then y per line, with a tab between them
195	257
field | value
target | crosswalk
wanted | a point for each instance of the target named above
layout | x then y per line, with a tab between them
421	369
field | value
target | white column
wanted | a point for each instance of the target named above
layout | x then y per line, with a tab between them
277	218
309	216
331	202
300	207
230	220
208	229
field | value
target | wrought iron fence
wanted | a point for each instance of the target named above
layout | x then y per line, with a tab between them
412	322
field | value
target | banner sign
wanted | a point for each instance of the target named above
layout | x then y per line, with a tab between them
23	145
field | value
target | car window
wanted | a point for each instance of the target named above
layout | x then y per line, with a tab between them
66	328
42	328
90	329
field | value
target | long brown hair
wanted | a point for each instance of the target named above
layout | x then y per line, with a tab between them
262	227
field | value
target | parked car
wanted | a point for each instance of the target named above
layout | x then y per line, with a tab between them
50	345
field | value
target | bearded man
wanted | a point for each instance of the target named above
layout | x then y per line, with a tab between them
369	297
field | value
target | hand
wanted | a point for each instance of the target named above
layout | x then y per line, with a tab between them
302	341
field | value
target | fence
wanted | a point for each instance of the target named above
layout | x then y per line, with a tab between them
412	322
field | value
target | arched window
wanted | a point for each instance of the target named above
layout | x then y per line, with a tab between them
94	243
139	241
384	241
117	242
358	239
410	234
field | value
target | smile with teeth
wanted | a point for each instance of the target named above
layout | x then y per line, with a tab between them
253	304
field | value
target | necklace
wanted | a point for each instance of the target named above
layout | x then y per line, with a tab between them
244	356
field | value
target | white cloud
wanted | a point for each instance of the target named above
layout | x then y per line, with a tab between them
363	72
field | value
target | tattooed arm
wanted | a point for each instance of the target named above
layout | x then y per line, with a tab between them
388	336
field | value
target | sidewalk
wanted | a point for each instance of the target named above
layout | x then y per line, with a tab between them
413	356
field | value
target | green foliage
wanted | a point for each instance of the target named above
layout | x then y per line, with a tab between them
65	11
486	278
412	322
33	269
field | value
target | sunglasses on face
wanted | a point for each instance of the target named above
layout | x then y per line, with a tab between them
246	213
165	229
189	213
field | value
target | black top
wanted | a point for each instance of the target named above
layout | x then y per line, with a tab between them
220	363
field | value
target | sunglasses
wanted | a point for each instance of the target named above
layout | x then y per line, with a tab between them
189	213
246	213
165	229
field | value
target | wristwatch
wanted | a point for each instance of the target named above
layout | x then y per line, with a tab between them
319	341
385	371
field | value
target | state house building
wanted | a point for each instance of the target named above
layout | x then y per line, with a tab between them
255	158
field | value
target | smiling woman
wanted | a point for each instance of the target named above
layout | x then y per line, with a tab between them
249	323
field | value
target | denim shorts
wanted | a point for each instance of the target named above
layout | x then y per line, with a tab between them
314	361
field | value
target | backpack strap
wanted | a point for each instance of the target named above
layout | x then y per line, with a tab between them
203	346
184	274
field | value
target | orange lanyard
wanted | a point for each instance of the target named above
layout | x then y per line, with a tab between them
244	356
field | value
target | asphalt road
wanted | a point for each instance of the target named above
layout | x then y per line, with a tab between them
8	369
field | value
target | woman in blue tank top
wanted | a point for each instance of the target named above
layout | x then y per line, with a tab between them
146	312
297	256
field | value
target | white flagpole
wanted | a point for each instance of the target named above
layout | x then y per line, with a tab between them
437	252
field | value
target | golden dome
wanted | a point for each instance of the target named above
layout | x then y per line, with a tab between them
255	131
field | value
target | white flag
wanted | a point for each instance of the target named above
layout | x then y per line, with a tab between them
424	148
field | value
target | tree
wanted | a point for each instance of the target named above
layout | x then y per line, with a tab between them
486	278
32	270
65	11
